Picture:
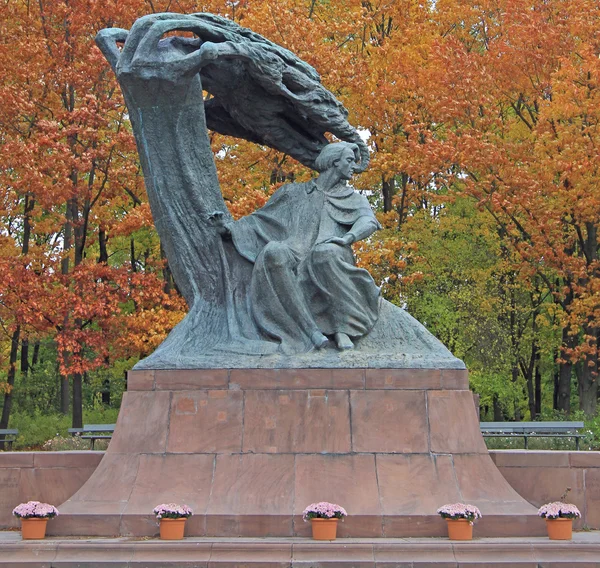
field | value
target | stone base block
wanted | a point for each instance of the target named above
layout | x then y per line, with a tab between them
248	459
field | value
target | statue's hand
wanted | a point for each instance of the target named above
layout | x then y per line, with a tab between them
346	240
217	219
209	51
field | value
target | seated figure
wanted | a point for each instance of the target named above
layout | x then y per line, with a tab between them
305	285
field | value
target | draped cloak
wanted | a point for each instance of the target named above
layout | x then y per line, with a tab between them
301	285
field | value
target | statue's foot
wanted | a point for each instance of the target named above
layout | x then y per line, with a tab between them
343	342
319	340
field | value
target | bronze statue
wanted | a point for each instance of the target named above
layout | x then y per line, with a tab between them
285	281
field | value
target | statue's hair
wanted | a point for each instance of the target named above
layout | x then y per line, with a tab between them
333	152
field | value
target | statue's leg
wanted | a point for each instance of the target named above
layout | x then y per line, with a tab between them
278	304
344	299
343	342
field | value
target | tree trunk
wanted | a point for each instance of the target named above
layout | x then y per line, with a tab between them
388	190
132	254
102	244
401	209
555	377
67	244
498	414
14	342
538	385
529	372
65	398
514	342
80	236
36	354
588	380
76	379
29	205
24	357
10	379
106	392
515	378
563	399
67	240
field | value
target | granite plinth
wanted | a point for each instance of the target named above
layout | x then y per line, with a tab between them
249	450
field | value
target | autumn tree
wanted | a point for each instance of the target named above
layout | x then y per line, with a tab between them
71	188
518	93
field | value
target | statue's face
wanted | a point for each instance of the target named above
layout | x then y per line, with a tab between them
346	164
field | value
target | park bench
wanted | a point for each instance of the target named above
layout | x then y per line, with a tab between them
93	432
7	437
532	430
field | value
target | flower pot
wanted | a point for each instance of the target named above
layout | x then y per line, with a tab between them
459	529
172	529
33	528
559	529
324	529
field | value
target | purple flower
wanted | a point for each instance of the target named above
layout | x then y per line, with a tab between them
35	510
172	511
460	511
323	510
558	510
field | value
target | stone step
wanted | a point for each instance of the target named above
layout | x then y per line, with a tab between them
280	526
582	552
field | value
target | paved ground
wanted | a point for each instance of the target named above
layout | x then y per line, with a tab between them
59	552
580	537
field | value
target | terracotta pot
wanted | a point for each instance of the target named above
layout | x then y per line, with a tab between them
324	529
172	529
33	529
459	529
560	529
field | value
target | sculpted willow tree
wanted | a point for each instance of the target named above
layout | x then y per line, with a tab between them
263	93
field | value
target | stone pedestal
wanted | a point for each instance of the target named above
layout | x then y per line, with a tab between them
249	449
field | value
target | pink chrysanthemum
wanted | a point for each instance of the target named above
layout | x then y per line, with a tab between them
460	511
172	511
35	510
323	510
558	510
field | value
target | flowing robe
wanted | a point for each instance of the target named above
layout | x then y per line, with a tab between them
302	286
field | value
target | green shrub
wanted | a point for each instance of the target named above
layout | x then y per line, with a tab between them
68	443
518	443
64	443
35	429
100	415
